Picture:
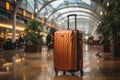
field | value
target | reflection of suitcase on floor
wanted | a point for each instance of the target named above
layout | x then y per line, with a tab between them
68	51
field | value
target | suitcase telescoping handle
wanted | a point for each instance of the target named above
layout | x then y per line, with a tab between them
75	20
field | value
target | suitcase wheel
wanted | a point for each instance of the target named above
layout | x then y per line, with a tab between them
64	72
56	72
72	73
81	72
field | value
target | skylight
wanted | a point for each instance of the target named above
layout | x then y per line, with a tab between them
87	2
56	3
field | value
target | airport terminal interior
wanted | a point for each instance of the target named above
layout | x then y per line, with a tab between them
28	30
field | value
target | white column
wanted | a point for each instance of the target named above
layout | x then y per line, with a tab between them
14	27
16	5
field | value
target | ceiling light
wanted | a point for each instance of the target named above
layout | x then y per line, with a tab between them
101	13
36	10
108	3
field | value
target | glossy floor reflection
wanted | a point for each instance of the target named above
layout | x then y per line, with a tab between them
40	66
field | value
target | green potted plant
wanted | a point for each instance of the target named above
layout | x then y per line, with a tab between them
105	30
33	36
52	31
110	25
90	40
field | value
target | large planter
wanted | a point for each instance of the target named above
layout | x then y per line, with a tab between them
117	50
33	48
112	49
106	48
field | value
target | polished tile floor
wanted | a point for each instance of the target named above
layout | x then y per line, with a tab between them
19	65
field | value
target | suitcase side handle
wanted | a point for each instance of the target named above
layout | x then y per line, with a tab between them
75	20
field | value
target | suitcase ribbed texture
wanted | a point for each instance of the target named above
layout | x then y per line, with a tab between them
65	50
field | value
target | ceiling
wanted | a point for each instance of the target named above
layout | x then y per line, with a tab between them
89	12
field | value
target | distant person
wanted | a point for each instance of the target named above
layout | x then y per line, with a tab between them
48	41
1	39
21	41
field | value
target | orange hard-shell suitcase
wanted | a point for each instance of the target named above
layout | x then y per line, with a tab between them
68	55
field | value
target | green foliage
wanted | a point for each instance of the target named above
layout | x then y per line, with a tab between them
110	23
52	30
33	34
91	38
104	28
